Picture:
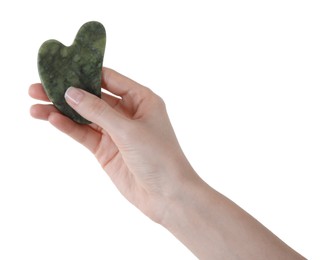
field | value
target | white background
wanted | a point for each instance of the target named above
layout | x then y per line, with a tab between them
248	88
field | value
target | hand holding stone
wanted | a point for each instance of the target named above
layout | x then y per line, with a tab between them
131	136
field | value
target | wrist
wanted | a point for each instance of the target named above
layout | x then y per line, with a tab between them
192	217
180	208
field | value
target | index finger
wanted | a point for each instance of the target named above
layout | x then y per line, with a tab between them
37	91
120	85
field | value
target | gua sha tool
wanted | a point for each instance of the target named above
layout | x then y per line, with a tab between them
78	65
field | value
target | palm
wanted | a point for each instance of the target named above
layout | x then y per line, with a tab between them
99	142
136	144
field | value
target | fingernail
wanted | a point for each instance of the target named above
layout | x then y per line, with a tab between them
74	95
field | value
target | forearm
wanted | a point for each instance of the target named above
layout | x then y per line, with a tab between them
213	227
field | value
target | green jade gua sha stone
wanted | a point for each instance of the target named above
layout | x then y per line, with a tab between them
78	65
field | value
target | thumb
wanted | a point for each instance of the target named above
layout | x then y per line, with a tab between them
95	109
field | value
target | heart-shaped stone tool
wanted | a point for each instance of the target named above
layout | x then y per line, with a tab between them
78	65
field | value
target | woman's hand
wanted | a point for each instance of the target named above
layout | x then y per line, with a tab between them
133	140
131	136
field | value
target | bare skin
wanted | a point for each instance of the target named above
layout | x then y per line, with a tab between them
133	140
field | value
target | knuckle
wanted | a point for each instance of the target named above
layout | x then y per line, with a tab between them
158	102
154	99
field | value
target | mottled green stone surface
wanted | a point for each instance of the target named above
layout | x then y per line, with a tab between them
78	65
